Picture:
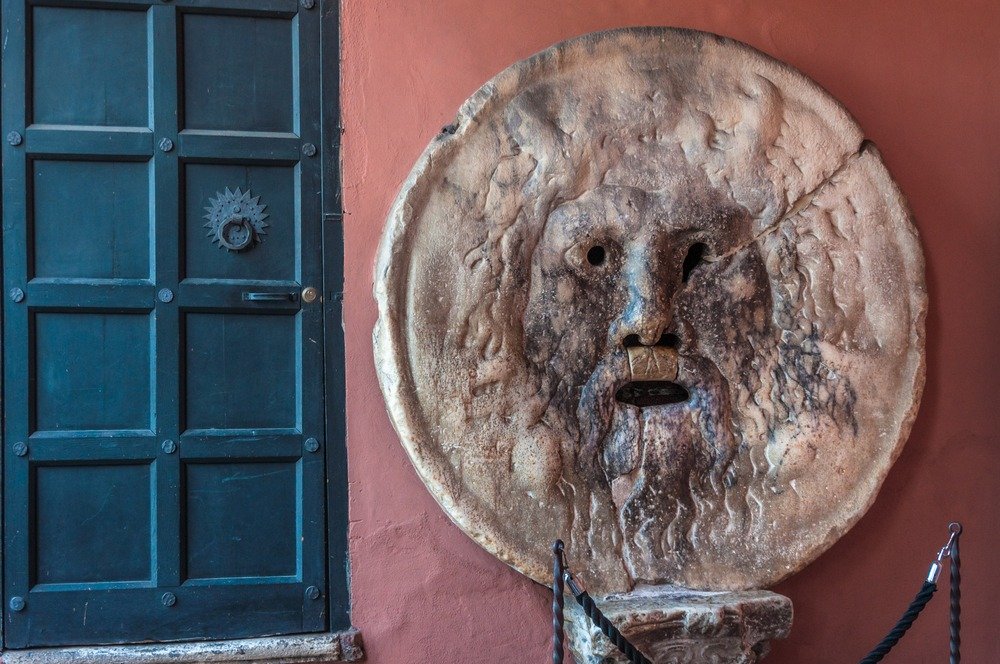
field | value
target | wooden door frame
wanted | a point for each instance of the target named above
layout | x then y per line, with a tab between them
334	388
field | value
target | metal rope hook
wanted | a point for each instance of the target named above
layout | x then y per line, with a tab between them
954	530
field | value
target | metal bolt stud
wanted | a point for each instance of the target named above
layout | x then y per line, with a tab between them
166	144
312	592
17	604
311	445
168	599
310	294
15	138
20	449
308	4
169	446
308	149
17	294
165	295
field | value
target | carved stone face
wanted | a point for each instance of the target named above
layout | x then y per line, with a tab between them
610	268
657	298
620	271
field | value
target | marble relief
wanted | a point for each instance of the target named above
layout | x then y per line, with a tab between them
652	293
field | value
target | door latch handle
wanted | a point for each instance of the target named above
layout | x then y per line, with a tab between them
269	297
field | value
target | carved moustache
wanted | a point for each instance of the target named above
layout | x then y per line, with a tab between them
642	376
653	370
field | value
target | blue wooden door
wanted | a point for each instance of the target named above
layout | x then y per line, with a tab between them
163	346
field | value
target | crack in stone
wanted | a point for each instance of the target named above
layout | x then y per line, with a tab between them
800	204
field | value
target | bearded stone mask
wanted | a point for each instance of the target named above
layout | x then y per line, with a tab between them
653	294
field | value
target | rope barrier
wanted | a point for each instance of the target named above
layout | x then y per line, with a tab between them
609	630
596	616
916	606
561	575
950	551
558	570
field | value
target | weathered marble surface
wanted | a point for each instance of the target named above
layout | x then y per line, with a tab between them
677	626
604	195
324	648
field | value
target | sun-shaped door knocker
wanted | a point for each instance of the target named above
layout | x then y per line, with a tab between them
235	220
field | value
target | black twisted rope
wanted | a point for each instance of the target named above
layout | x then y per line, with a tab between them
609	630
916	606
558	569
955	626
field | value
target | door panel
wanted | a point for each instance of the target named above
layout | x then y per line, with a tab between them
163	467
84	379
238	73
275	256
225	353
228	534
104	82
98	231
116	499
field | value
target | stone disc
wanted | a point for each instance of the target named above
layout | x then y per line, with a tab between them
652	293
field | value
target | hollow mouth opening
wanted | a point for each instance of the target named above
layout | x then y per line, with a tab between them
651	393
667	340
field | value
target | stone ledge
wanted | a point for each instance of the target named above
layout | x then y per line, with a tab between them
673	625
299	649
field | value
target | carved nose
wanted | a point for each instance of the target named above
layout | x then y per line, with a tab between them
644	319
647	314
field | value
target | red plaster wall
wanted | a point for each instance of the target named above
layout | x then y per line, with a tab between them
922	79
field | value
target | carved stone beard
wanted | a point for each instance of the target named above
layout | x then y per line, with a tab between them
665	471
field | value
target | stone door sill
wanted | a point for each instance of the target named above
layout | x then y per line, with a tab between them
297	649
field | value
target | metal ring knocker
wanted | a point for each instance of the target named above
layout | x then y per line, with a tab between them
236	220
235	233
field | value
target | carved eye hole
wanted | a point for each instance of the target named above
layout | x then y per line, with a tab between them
596	255
693	259
591	257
